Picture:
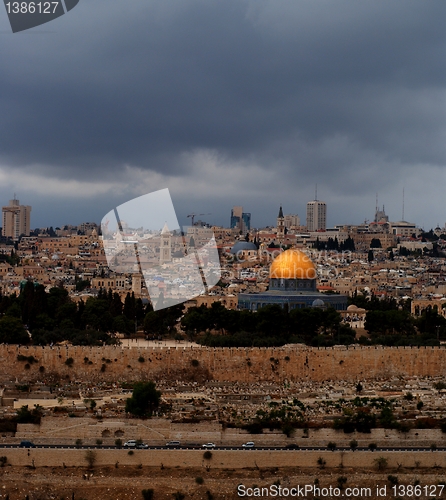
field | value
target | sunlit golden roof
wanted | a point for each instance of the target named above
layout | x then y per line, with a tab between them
292	264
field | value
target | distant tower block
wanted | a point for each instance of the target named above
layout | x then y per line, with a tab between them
166	247
136	284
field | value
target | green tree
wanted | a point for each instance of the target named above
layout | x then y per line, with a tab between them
144	400
353	444
12	331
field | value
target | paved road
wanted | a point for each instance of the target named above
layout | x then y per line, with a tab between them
198	447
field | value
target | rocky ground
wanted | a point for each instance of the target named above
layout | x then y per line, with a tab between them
127	483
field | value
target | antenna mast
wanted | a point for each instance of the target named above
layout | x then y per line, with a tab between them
403	203
315	193
376	208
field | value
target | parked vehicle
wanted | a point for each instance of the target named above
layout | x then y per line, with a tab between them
27	444
209	445
249	444
131	443
173	444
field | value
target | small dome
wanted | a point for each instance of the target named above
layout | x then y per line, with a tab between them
242	246
318	303
352	308
292	264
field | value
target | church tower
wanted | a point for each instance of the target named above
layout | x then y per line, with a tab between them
280	225
165	247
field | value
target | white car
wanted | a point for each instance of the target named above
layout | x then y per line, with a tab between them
130	444
209	445
249	444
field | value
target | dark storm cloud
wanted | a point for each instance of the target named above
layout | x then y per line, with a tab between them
148	80
316	89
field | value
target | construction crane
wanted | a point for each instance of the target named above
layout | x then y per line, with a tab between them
192	215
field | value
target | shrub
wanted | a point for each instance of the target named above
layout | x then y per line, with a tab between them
178	495
118	443
69	362
195	363
29	359
321	462
3	461
103	367
78	443
392	479
41	369
147	494
130	452
141	359
331	446
341	481
353	444
440	386
99	442
90	457
287	429
207	455
381	463
199	480
373	446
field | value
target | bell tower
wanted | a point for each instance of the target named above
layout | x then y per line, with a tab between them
280	225
165	246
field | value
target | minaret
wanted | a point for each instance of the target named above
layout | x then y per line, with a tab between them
165	247
280	225
136	284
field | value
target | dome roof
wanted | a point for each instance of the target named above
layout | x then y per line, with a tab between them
243	246
292	264
318	303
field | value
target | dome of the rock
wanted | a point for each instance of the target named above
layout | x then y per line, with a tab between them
292	264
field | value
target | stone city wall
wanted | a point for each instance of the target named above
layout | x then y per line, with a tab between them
296	363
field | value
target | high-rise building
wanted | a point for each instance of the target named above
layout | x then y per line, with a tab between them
246	222
291	220
316	215
16	220
240	220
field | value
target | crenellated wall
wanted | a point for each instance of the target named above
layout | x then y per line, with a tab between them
110	363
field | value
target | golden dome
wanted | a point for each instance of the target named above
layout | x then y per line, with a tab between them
292	264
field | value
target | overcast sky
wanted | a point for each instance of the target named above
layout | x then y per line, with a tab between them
227	102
